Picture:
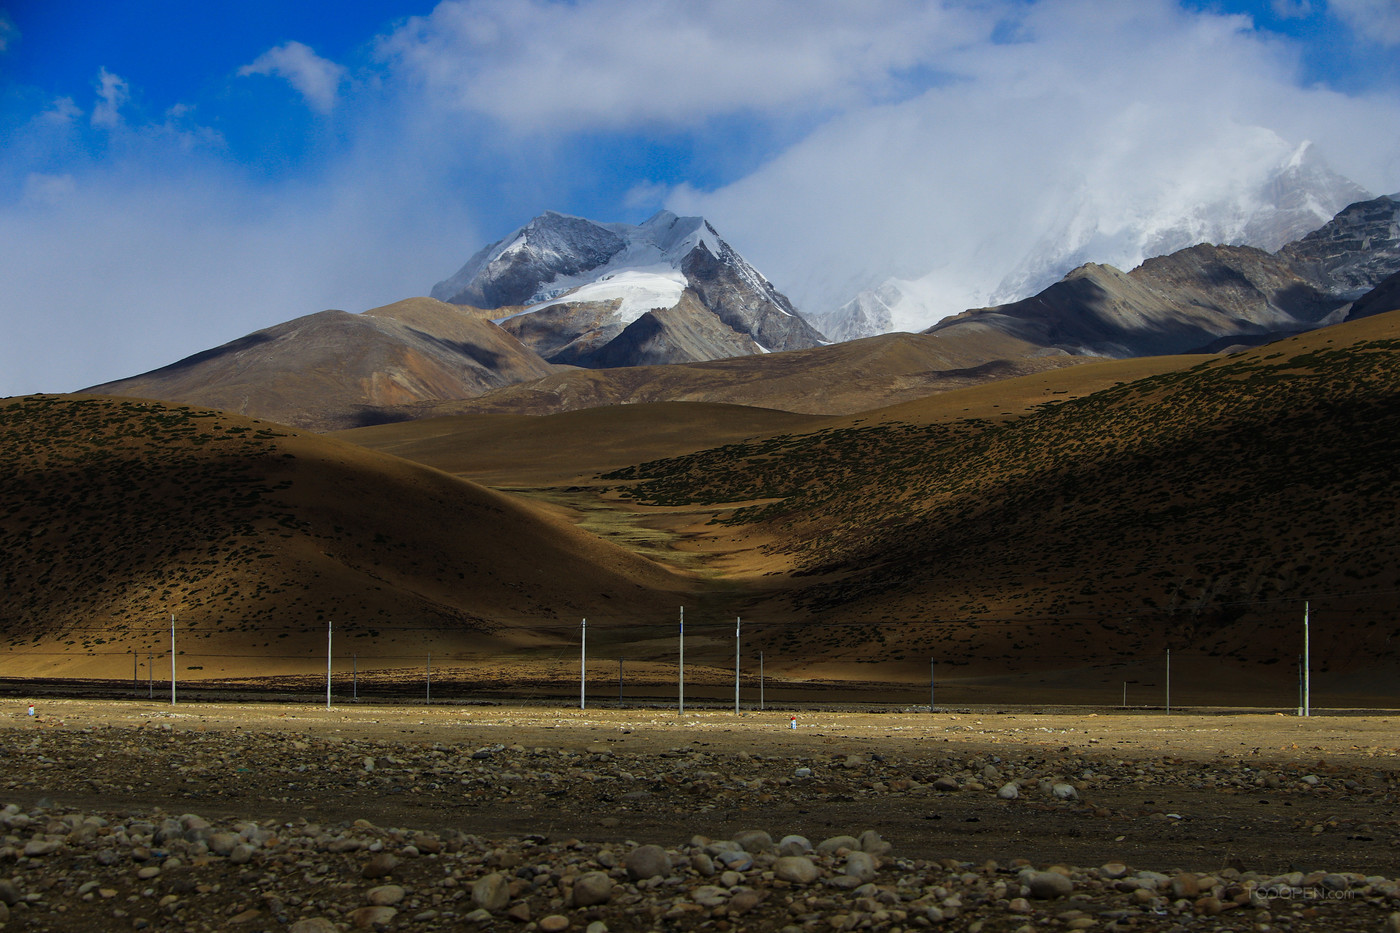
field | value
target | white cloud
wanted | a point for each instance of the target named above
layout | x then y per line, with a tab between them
62	112
8	32
1292	9
40	188
537	66
1117	112
113	93
317	79
903	138
1372	20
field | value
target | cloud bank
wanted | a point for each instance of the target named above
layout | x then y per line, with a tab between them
834	144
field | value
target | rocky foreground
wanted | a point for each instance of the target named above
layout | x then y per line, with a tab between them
198	825
68	870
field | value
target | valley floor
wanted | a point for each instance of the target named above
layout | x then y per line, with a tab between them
235	816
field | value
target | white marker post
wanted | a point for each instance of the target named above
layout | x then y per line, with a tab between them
1169	681
761	704
1307	666
172	659
583	664
681	695
328	663
738	623
931	707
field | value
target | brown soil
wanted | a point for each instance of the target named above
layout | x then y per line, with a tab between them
1191	792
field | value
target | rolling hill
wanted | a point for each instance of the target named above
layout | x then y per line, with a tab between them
116	513
1074	523
1062	528
335	370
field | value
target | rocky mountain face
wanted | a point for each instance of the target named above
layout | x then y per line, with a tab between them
591	294
1354	252
333	369
1298	195
1208	298
1384	297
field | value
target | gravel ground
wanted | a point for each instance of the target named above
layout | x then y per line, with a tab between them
222	817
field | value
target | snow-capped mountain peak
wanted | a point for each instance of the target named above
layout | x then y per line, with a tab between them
568	277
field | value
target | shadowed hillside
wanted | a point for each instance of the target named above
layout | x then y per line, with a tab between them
116	513
1194	509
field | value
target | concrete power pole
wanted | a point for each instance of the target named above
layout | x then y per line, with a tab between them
738	624
1307	665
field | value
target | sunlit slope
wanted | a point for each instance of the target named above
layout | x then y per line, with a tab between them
838	379
1199	506
116	513
526	450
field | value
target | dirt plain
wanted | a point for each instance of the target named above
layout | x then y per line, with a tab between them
1223	806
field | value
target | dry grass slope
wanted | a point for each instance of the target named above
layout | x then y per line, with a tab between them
1192	509
115	513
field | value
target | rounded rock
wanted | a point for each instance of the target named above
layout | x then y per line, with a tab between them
554	923
755	841
861	865
386	895
382	864
796	869
313	925
592	888
491	892
794	845
837	843
649	861
1009	791
1047	885
367	918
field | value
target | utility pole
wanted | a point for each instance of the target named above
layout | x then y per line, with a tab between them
738	623
619	683
354	676
172	659
328	664
682	669
1307	666
1169	681
583	664
135	672
761	704
429	681
930	685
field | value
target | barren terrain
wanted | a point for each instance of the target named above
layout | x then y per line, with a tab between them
262	816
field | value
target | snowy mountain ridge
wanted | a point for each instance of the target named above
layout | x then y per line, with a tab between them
573	286
1280	201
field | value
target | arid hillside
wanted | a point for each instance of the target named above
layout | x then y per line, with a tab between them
1073	524
116	513
1194	510
1060	531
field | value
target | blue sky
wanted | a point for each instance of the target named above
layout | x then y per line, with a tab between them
176	174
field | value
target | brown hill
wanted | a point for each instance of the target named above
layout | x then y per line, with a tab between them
841	378
116	513
1059	530
334	370
1194	510
1181	303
